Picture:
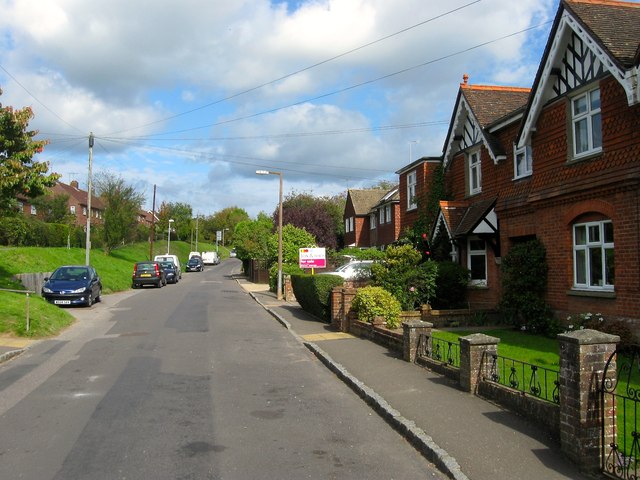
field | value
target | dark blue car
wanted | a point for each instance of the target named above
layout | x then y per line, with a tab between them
73	285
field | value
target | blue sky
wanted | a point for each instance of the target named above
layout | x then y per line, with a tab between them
195	96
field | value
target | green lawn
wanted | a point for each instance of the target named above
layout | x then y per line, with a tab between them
46	319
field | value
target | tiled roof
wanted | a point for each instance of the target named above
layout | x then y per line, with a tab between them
391	196
79	195
616	24
363	200
492	103
473	215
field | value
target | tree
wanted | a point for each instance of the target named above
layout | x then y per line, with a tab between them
54	209
19	173
182	216
320	216
252	238
122	204
226	218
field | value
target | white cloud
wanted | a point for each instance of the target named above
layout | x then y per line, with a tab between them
127	69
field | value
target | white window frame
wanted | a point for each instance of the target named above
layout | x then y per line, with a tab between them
372	221
522	162
586	115
473	252
475	172
84	211
72	209
412	182
34	210
591	250
387	210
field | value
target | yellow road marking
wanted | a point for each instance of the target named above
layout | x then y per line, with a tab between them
318	337
15	342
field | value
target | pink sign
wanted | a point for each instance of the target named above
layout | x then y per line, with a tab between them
312	258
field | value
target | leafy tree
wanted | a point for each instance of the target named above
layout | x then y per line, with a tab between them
54	209
251	239
122	204
226	218
320	216
182	216
19	173
293	239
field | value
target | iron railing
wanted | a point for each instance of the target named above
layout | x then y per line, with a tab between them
525	377
439	350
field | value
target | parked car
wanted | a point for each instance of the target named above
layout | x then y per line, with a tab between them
170	271
232	253
194	265
73	285
356	270
170	258
148	273
210	258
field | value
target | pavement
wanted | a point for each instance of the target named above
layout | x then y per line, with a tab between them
464	436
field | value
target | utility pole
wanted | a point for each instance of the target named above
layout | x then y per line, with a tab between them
88	238
153	223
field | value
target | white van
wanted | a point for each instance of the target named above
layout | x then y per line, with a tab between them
210	258
169	258
194	254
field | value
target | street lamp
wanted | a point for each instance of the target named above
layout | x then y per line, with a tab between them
267	172
171	220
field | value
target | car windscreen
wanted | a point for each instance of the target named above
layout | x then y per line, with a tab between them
146	267
167	265
70	274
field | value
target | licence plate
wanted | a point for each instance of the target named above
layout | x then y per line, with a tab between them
145	275
62	302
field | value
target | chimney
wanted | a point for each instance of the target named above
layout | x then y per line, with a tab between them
465	79
74	184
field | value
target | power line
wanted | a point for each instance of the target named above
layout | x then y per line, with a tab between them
284	77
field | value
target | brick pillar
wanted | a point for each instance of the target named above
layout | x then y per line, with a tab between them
411	331
583	356
335	301
348	294
475	352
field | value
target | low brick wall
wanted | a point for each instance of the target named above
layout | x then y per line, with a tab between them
544	414
392	339
441	368
459	318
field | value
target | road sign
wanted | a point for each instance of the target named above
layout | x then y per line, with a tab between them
313	258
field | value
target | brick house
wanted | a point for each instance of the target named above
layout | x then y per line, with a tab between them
77	203
559	163
384	220
414	185
357	216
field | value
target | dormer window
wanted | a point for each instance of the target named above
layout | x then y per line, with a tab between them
475	174
522	162
587	123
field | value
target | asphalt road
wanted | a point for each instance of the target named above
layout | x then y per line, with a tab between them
190	381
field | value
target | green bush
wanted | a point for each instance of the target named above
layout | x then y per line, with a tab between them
313	293
370	302
13	231
451	286
287	269
402	274
524	283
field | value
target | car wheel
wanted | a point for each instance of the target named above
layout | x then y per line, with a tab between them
89	301
159	284
99	296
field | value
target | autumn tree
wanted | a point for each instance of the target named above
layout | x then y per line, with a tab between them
20	174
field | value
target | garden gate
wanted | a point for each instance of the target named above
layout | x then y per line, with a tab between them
620	409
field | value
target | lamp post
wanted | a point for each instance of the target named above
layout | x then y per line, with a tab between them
171	220
267	172
223	230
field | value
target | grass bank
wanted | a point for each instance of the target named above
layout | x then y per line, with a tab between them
46	319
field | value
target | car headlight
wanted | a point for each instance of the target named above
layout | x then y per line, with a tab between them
47	290
79	290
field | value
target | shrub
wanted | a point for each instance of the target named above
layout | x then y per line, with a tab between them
287	269
370	302
524	283
412	283
451	286
313	293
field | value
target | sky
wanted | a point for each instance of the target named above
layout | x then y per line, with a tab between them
195	96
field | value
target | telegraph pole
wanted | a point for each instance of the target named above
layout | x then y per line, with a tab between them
153	223
88	239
